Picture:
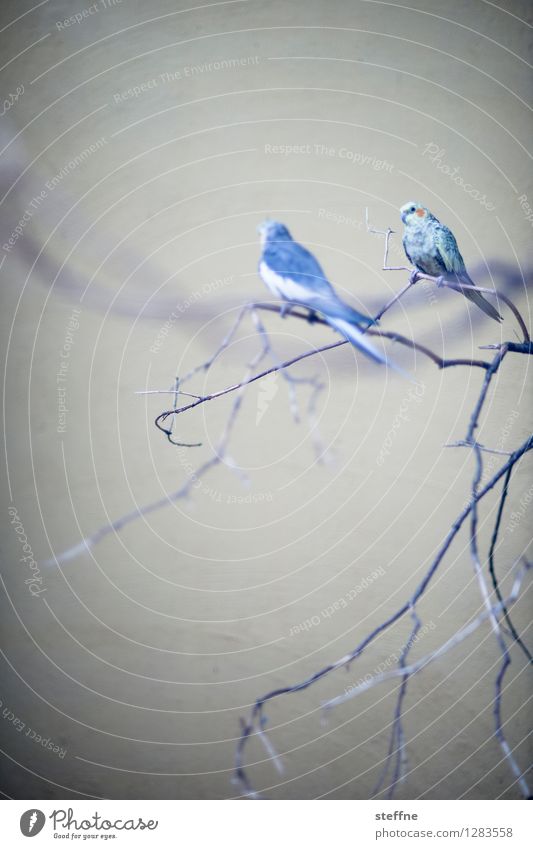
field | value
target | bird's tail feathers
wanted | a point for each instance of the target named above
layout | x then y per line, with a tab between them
358	318
358	339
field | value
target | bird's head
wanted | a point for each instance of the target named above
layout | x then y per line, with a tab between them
275	231
414	213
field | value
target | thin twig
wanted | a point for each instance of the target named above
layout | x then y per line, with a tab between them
255	725
396	337
462	443
495	293
162	416
493	619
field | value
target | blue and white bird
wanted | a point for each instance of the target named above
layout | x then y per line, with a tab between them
293	274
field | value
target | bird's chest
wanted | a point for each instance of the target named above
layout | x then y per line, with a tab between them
273	281
420	246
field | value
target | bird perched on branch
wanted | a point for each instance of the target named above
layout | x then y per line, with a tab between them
432	248
293	274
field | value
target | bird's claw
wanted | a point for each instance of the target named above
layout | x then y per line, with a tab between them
312	317
413	278
441	281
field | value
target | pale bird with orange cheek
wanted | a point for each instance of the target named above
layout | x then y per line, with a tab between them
432	248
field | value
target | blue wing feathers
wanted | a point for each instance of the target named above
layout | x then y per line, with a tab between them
290	259
299	278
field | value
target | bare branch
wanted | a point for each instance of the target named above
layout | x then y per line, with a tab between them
249	726
442	281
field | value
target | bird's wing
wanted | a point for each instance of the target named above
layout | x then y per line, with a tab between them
304	281
289	259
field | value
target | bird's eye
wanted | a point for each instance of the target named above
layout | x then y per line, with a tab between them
412	209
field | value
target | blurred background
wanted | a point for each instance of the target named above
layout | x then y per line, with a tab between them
140	147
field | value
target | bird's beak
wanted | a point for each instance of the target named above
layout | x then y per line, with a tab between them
403	217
